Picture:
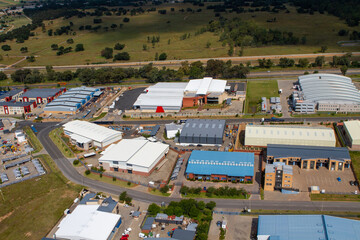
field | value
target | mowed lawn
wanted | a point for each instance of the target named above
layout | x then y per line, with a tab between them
319	29
257	89
32	208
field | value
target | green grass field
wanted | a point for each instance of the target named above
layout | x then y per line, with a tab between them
203	195
334	197
31	208
110	181
55	137
320	29
355	159
257	89
34	141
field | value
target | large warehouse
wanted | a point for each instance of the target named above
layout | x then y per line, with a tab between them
86	134
71	101
88	222
352	130
309	227
309	157
222	166
262	135
135	156
326	93
202	131
171	97
42	95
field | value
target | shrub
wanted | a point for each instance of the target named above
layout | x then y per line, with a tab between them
114	179
87	172
107	53
6	47
70	41
122	56
126	20
79	47
162	56
76	162
119	46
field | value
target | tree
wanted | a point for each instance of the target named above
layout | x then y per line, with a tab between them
24	50
119	46
319	61
122	196
145	47
97	20
194	212
126	20
31	58
323	49
286	62
162	56
164	189
153	209
107	53
3	76
79	47
122	56
6	47
343	69
211	205
70	41
303	62
214	68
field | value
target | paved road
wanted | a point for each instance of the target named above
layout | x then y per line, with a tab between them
69	172
178	62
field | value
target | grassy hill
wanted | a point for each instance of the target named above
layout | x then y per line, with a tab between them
319	29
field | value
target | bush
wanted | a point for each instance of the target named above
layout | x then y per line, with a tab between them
6	47
79	47
24	50
162	57
128	183
107	53
87	172
126	20
70	41
122	56
97	20
54	46
31	58
114	179
119	46
164	189
76	162
153	209
3	76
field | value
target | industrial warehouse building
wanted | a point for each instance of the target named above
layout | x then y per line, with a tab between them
15	108
171	97
309	157
135	156
42	95
222	166
352	132
88	222
172	129
262	135
278	176
71	101
86	134
309	227
13	94
326	93
202	131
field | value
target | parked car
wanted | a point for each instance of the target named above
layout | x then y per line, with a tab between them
352	183
356	183
218	223
338	179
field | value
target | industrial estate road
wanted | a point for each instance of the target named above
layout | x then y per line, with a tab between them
69	172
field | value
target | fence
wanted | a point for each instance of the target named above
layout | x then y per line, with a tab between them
20	180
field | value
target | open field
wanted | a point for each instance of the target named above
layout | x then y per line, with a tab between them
334	197
110	181
257	89
171	27
31	208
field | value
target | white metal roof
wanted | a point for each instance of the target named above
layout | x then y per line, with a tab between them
80	139
289	132
154	100
87	223
206	85
134	151
353	128
91	130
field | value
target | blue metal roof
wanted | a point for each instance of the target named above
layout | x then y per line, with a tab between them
42	92
154	130
148	223
235	164
107	205
307	152
309	227
87	198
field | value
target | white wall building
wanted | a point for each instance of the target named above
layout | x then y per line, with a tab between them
262	135
86	134
87	223
352	129
172	129
136	156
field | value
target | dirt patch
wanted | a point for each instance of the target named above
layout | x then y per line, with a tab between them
28	234
6	216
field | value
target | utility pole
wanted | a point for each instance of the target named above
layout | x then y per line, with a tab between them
2	195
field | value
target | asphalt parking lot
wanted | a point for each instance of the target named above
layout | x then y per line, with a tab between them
128	98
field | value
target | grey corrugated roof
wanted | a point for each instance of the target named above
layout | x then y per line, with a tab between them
12	92
107	205
148	223
16	104
307	152
87	198
42	92
203	127
181	234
